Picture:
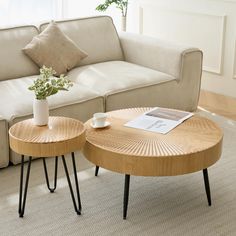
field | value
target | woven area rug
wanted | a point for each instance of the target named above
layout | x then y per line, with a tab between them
157	206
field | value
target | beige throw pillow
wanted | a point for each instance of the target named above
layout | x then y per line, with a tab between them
53	48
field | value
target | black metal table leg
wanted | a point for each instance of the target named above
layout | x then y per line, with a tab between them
126	195
207	186
21	209
96	170
77	208
76	181
55	175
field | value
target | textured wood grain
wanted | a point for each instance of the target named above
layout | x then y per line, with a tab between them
219	104
192	146
62	135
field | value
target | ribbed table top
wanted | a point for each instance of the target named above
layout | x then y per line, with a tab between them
193	145
57	130
193	135
59	136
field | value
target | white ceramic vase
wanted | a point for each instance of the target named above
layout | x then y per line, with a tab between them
41	112
123	23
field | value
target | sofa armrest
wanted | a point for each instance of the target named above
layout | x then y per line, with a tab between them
155	53
181	62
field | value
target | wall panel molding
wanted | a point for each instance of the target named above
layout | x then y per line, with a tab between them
234	66
191	28
141	20
229	1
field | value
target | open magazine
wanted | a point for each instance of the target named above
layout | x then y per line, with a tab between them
160	120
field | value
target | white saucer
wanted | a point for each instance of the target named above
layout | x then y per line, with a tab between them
107	123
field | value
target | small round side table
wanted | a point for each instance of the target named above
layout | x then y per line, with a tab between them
61	136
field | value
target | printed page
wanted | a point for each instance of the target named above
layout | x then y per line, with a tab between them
160	120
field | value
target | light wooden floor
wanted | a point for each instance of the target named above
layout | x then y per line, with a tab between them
219	104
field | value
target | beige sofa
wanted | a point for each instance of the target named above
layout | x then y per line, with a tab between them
121	71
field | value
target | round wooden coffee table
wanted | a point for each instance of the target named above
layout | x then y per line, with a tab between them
192	146
61	136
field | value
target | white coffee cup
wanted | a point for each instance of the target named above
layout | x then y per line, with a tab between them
99	119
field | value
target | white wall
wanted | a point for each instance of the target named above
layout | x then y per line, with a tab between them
207	24
82	8
16	12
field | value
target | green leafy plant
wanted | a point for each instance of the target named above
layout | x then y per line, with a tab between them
46	84
120	4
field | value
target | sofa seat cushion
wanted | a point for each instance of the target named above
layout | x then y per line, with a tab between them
17	101
116	76
116	79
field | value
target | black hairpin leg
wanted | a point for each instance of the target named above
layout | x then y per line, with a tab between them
79	207
55	175
76	181
21	209
96	170
207	186
126	195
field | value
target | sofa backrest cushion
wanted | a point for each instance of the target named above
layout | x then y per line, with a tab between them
13	62
97	36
